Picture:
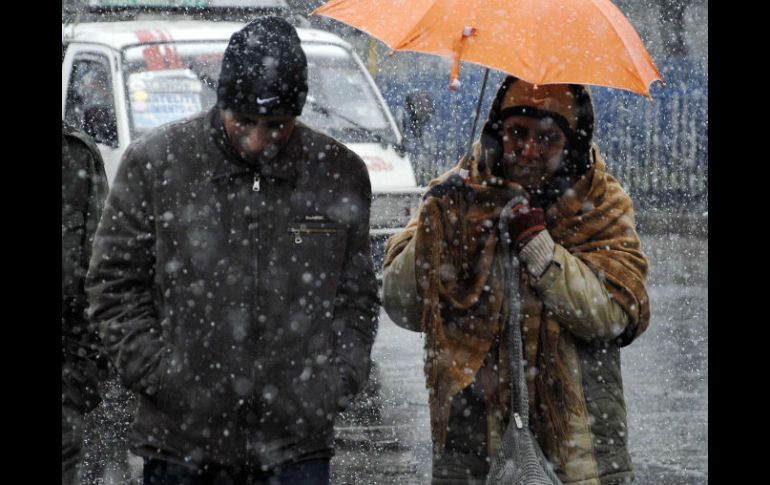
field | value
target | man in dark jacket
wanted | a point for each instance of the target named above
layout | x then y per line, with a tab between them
84	188
232	278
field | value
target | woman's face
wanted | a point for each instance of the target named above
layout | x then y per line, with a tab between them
533	150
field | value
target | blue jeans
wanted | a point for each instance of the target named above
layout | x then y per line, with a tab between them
307	472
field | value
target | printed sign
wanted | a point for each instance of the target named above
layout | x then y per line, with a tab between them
159	97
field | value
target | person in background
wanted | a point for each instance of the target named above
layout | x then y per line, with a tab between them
84	189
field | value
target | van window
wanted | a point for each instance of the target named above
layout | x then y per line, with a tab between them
169	81
90	103
340	98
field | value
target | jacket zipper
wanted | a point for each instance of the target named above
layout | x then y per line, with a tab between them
254	245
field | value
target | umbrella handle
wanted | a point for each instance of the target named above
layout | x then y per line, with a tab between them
476	119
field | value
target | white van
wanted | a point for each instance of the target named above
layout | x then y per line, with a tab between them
120	79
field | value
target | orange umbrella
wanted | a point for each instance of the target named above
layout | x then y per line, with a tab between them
539	41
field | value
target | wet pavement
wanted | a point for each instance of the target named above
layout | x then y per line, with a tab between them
385	438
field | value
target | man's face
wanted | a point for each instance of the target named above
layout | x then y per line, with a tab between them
257	137
533	149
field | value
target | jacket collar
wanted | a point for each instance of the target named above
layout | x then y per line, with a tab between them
284	166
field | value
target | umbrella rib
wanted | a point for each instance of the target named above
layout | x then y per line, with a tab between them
625	44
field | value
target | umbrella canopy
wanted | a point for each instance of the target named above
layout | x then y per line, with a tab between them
539	41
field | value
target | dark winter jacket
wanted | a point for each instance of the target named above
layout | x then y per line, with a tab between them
83	190
240	304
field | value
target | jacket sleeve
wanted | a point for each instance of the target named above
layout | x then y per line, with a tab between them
356	307
120	277
571	290
399	290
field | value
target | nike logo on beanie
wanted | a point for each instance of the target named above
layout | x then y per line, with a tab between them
266	100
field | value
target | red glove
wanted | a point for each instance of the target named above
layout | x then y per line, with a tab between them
526	222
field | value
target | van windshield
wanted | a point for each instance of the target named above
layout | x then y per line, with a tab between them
166	82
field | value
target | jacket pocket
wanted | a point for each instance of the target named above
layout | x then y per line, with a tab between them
306	231
316	261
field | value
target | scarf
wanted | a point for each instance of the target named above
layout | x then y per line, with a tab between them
460	281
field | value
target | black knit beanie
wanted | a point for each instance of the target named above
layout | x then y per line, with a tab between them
264	70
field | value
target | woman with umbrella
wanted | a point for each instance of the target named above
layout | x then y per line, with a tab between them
581	290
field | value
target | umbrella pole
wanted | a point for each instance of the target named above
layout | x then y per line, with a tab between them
476	118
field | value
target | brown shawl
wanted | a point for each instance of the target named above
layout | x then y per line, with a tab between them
460	280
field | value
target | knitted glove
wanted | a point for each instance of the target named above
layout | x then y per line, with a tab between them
526	222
